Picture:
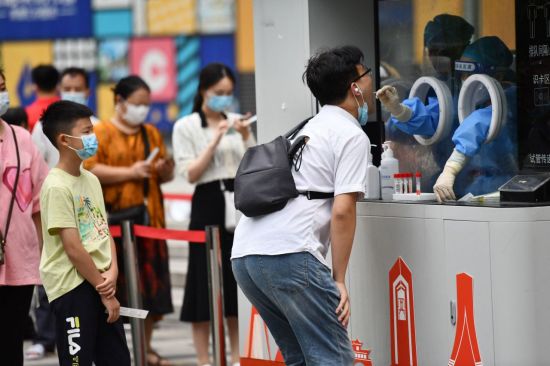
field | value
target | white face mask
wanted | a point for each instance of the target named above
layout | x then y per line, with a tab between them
135	114
4	102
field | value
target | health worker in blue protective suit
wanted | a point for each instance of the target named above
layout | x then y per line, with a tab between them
445	38
484	167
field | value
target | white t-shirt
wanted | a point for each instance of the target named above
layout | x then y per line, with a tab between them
334	160
190	139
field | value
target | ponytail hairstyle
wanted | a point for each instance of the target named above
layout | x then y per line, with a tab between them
128	85
210	75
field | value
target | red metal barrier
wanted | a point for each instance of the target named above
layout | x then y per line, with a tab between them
211	238
177	196
196	236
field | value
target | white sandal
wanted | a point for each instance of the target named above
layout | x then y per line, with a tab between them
35	352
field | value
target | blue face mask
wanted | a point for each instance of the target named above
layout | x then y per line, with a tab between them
219	103
89	143
77	97
362	110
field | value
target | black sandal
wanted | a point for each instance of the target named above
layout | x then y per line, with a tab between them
159	360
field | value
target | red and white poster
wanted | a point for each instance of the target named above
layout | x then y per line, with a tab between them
257	349
402	329
153	59
362	356
465	348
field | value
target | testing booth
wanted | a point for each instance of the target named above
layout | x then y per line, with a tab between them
457	283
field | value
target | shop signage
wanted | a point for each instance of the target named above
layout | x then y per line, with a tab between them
45	19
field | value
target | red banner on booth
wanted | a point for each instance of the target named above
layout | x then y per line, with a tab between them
402	329
465	349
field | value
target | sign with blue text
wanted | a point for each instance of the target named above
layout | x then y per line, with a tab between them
40	19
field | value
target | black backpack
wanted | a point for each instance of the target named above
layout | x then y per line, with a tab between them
264	181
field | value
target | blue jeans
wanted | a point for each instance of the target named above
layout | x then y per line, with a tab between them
297	298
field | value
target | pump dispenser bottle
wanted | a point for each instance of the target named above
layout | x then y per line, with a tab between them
388	167
372	189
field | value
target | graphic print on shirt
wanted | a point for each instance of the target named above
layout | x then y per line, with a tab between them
91	223
23	194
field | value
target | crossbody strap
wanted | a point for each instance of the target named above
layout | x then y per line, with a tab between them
292	133
147	149
295	156
14	191
312	195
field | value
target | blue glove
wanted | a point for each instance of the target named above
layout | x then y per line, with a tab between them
472	133
424	120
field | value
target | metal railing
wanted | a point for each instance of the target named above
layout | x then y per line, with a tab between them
215	283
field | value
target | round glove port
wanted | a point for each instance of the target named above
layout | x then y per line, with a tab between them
420	89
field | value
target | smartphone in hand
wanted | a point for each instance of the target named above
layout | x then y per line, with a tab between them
152	155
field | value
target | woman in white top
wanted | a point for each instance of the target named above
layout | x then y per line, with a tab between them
208	146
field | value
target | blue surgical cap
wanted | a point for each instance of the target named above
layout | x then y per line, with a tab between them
490	52
447	31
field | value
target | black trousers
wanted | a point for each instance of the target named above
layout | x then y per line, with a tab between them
45	321
15	302
83	335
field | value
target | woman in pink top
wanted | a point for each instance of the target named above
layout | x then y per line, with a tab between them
22	243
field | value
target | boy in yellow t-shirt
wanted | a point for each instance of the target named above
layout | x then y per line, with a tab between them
78	265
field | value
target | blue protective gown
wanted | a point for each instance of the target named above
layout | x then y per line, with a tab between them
424	119
491	165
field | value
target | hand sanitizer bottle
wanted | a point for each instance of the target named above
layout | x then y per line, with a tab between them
372	189
388	167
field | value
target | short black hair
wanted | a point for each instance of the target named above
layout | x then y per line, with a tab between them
329	73
128	85
45	77
16	116
60	117
73	71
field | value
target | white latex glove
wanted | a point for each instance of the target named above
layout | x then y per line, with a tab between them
443	187
389	98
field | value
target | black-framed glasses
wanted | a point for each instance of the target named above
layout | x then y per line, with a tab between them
367	72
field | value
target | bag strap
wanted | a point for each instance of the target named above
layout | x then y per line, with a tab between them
292	133
298	146
312	195
14	191
147	149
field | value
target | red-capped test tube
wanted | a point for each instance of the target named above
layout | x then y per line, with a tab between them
397	183
409	183
418	177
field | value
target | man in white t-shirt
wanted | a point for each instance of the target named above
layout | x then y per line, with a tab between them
279	260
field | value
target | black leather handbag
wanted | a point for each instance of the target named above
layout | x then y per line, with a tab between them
137	214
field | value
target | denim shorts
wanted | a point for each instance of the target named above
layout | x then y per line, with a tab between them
297	298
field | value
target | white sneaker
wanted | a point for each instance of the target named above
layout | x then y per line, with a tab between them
35	352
